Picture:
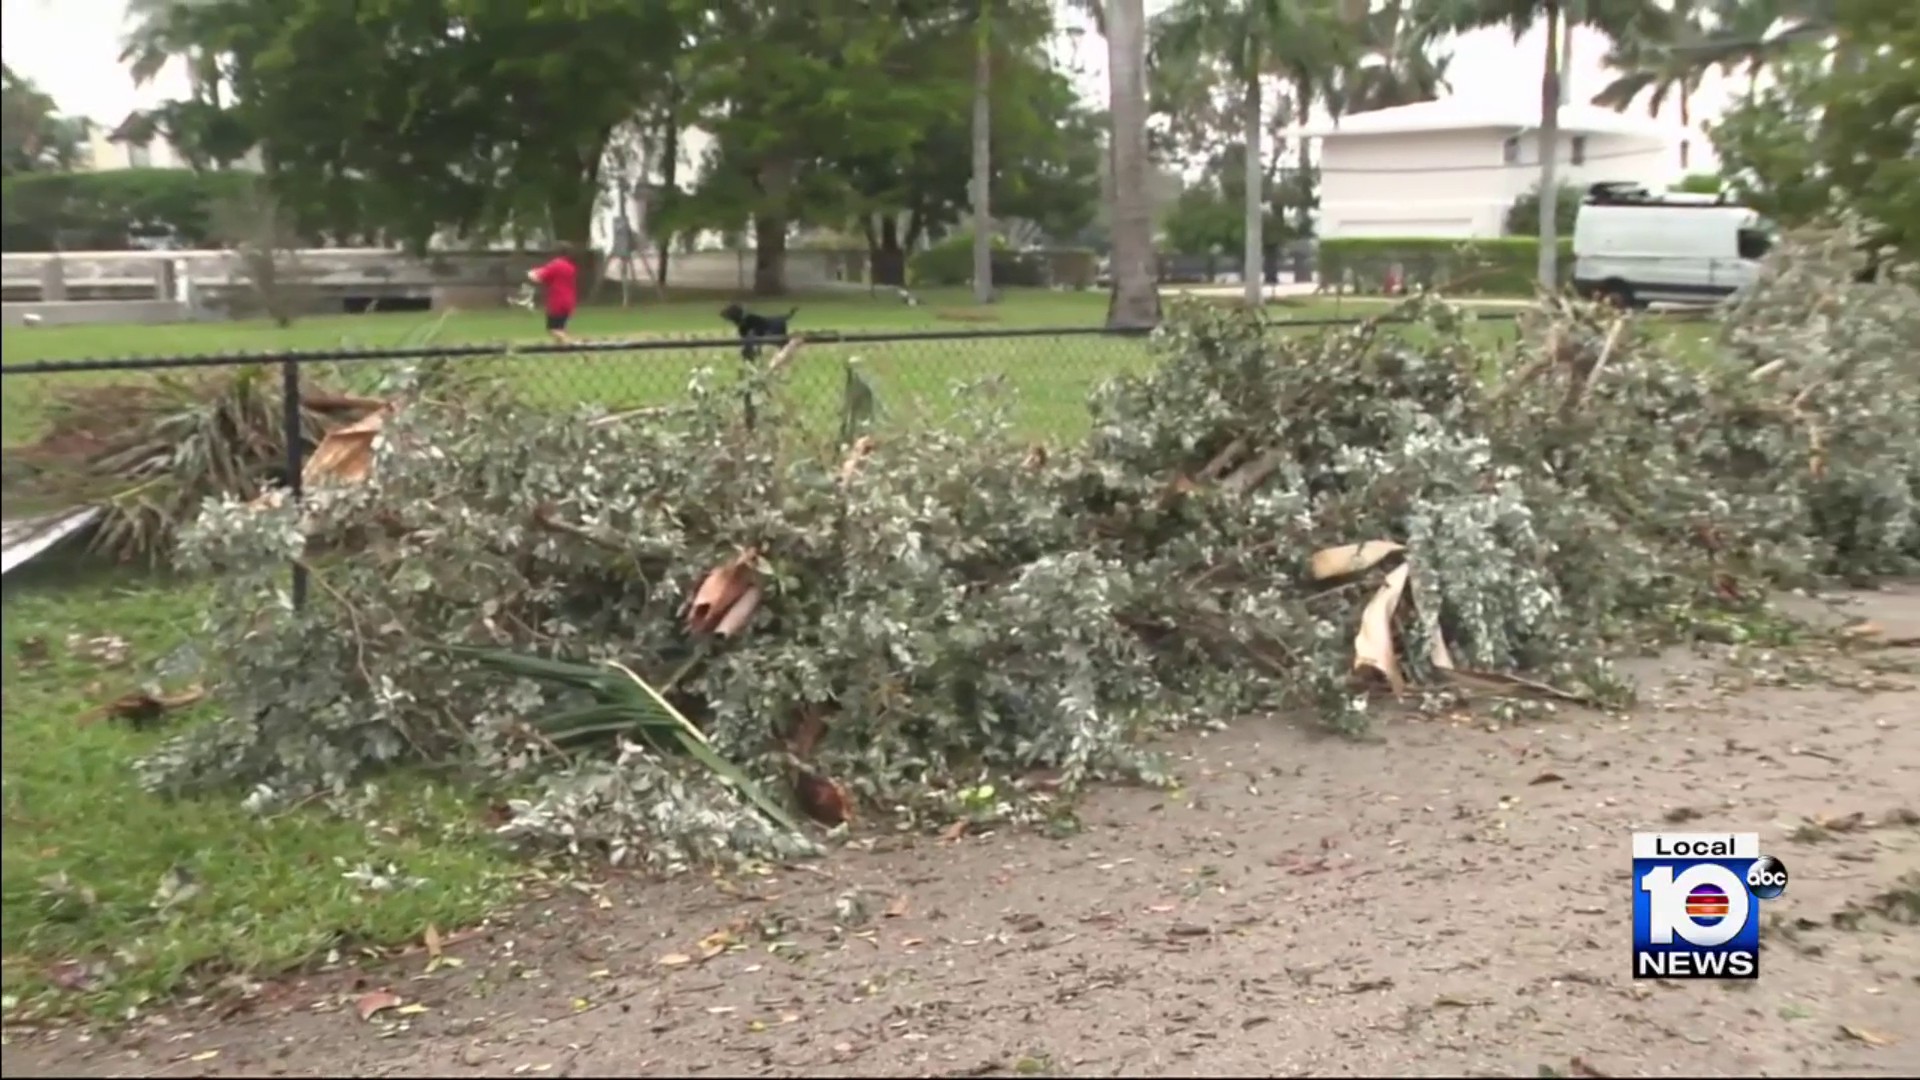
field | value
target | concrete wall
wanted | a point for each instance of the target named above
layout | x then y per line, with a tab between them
96	313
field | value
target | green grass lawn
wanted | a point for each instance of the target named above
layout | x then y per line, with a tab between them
1050	374
91	920
96	917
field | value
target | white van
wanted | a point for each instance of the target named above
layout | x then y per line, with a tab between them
1636	248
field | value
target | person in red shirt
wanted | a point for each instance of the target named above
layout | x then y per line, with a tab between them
559	278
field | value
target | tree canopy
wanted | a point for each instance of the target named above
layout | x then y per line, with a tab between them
36	137
1837	127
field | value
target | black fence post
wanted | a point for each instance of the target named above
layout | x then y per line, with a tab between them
296	451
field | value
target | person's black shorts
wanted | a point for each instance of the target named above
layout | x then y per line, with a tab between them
558	320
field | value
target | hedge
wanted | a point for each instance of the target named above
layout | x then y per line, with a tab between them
1504	266
950	263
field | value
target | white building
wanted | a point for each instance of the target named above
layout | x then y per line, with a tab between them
107	149
1452	169
111	147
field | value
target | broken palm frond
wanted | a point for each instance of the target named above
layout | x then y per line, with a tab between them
345	454
1373	647
144	708
786	354
733	584
1350	558
149	454
626	706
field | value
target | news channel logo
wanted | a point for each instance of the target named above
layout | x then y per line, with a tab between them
1696	904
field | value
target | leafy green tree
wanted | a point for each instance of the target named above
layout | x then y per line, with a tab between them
1833	130
1523	217
788	90
448	114
34	137
1209	217
1043	169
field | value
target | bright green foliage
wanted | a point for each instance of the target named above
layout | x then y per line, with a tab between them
1496	267
1523	217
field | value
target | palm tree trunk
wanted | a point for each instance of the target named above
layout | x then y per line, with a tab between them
1135	301
1549	152
1254	266
1303	96
983	157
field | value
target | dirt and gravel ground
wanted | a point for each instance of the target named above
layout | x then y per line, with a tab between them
1452	899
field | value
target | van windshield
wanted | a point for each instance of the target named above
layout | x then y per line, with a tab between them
1755	240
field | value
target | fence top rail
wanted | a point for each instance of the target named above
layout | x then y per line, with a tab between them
476	350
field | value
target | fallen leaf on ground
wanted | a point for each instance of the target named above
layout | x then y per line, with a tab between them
431	939
1548	778
1859	1034
715	943
205	1055
1579	1067
954	831
142	708
897	907
674	960
70	975
376	1002
1844	823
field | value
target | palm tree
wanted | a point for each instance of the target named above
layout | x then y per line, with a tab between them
1007	26
983	154
1618	18
1652	63
1305	41
1314	50
1135	301
1747	35
1236	31
1396	62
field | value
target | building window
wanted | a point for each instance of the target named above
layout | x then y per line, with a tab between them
139	157
1510	150
1579	149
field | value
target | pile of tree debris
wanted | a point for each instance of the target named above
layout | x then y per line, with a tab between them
610	614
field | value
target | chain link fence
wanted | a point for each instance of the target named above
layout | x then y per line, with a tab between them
150	436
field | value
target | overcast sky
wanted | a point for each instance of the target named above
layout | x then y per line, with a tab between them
72	47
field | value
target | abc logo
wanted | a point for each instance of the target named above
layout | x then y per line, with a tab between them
1767	877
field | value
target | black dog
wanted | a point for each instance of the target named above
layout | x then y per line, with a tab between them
754	327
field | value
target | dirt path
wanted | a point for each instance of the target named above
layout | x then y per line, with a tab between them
1452	900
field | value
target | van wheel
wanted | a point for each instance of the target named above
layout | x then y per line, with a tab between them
1616	294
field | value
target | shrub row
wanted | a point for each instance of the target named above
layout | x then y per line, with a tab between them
1490	267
